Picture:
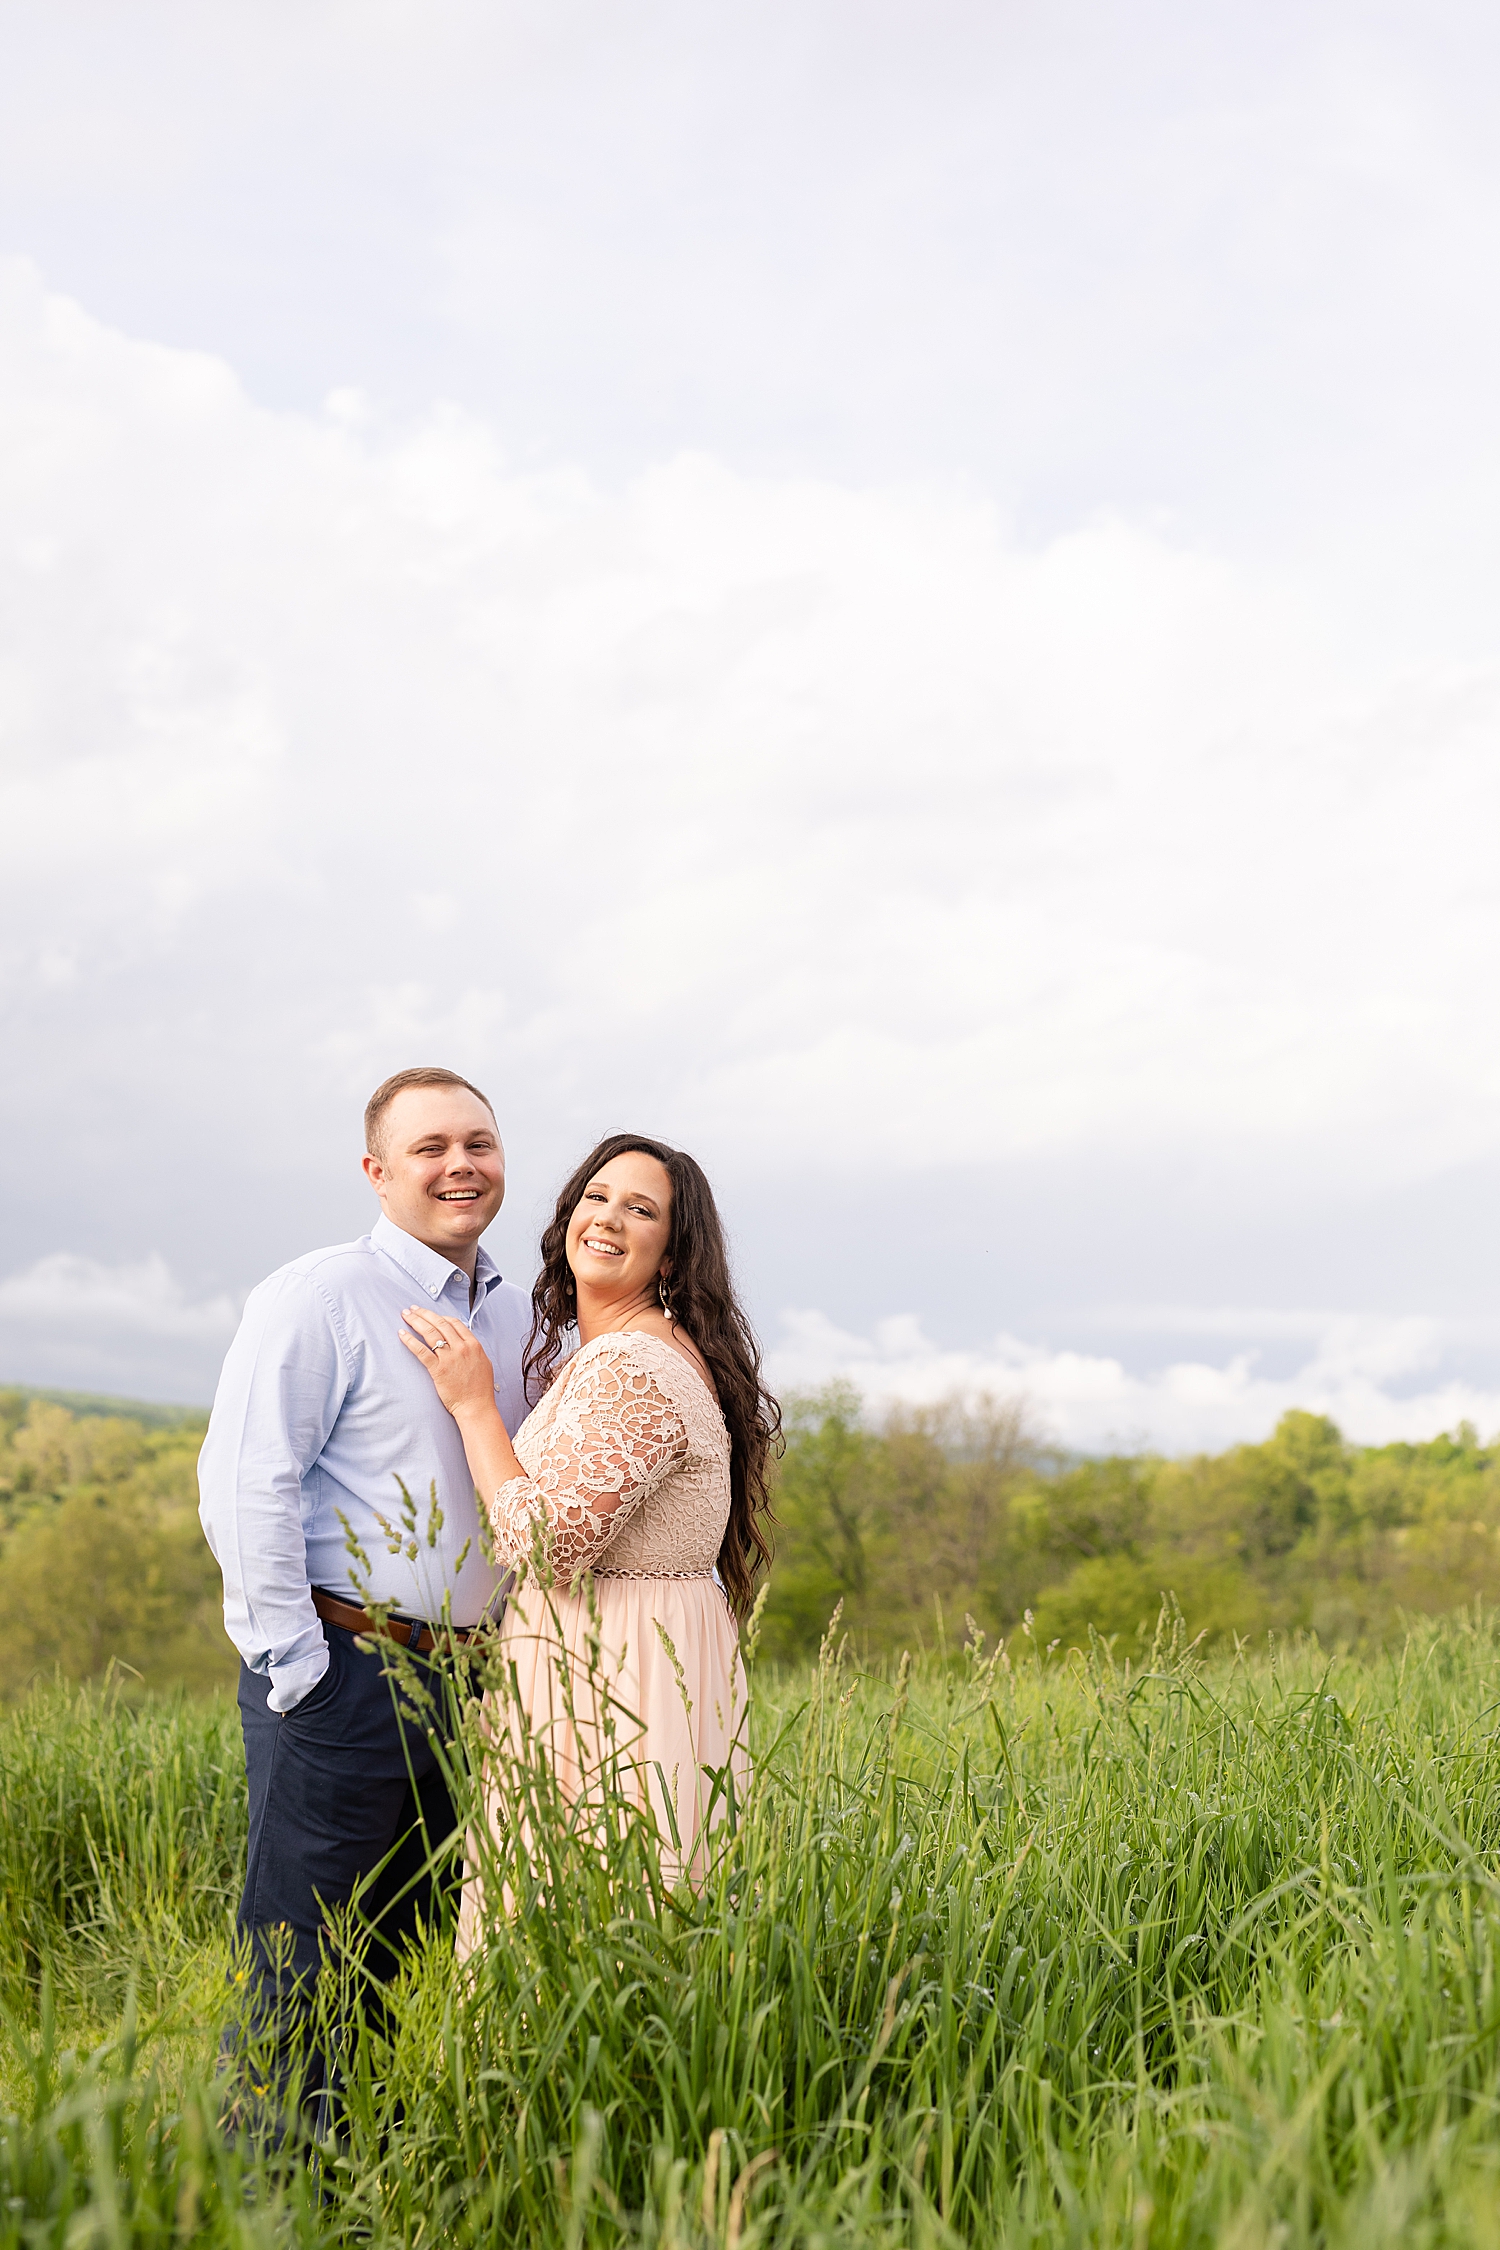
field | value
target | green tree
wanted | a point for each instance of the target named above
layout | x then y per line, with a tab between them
102	1554
826	1490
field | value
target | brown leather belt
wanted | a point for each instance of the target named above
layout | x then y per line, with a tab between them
409	1631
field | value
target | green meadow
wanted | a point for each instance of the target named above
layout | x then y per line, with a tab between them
1004	1948
1050	1935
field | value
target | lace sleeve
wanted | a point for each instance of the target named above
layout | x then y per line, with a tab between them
614	1437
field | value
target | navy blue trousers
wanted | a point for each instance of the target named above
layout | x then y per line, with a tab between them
338	1785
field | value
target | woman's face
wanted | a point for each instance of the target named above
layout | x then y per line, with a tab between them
617	1237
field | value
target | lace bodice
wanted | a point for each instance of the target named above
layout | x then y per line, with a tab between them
627	1463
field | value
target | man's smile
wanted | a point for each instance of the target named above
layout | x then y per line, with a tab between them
458	1195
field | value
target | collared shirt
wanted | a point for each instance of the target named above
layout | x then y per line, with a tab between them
320	1410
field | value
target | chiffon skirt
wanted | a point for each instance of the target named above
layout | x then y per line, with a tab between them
643	1695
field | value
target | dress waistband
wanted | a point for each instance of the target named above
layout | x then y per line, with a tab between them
653	1574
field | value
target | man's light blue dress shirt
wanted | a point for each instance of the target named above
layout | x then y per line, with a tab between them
320	1408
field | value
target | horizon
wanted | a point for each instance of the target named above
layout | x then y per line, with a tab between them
873	1412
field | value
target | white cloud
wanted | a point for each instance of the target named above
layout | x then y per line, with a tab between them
73	1323
842	834
1223	264
862	825
1093	1402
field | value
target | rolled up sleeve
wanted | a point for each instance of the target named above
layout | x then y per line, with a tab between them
279	1395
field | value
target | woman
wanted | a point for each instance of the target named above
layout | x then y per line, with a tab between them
645	1465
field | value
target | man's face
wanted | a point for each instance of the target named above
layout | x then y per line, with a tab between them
440	1173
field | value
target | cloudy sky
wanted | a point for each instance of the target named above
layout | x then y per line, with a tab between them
906	596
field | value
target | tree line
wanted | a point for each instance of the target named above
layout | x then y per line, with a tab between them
931	1517
953	1512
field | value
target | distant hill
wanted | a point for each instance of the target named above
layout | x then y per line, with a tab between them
14	1396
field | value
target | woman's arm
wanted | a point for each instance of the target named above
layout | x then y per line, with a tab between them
460	1368
612	1438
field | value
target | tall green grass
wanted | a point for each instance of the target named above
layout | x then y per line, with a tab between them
122	1841
1003	1949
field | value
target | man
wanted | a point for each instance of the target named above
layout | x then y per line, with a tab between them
320	1410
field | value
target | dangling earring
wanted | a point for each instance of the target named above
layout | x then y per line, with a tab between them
661	1291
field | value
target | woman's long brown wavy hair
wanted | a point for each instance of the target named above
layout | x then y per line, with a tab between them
705	1306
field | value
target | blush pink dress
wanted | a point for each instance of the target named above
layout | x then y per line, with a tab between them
627	1474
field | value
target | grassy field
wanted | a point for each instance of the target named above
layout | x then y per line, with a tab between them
1005	1949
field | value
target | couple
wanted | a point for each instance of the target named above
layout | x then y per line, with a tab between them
405	1356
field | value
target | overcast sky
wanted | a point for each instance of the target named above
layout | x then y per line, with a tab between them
905	596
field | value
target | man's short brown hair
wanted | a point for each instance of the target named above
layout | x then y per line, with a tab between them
386	1092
